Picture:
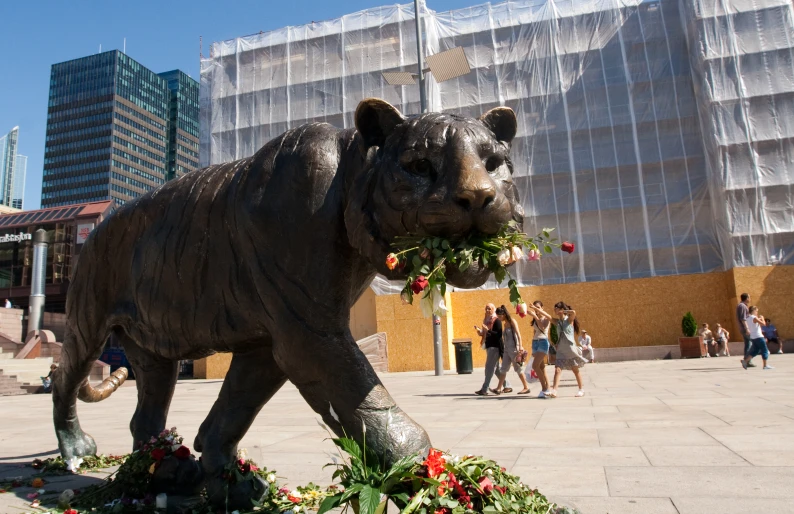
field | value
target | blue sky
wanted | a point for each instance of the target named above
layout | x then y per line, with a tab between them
161	35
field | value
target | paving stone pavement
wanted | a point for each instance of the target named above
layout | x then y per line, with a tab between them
666	437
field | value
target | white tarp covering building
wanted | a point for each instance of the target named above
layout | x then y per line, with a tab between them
654	134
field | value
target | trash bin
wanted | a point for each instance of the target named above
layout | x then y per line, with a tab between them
463	362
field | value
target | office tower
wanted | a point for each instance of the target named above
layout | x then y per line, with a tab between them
108	125
13	167
183	131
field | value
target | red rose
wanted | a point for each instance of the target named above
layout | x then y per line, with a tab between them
183	452
500	489
253	468
392	261
434	463
70	511
442	510
293	499
158	454
567	247
419	285
485	484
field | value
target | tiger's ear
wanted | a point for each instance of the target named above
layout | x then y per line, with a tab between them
375	120
502	122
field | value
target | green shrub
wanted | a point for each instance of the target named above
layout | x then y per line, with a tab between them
688	325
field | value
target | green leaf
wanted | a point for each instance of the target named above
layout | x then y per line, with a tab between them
350	447
445	244
436	242
331	502
499	274
369	499
443	288
546	234
416	261
547	249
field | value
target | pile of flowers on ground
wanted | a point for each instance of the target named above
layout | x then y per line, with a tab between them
425	259
58	466
434	484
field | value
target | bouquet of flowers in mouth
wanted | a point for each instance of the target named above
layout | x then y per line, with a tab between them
425	258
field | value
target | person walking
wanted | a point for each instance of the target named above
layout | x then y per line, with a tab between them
742	313
587	346
487	324
512	354
541	321
722	337
755	322
569	356
493	349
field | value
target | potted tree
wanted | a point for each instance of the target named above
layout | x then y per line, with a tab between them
691	344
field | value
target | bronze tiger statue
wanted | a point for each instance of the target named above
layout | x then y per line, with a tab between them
264	258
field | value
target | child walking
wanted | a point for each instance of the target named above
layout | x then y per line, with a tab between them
569	356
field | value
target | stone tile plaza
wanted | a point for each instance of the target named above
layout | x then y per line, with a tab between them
654	437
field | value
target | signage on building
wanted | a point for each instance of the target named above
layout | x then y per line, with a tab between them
83	230
15	238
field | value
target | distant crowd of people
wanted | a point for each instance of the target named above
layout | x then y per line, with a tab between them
501	339
753	326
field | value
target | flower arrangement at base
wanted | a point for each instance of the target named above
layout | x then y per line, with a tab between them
131	484
436	484
425	259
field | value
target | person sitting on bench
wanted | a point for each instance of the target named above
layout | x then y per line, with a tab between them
770	332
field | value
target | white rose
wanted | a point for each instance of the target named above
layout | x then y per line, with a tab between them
296	508
504	257
271	478
296	494
242	454
516	253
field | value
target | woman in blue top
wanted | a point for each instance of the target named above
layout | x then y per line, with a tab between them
569	356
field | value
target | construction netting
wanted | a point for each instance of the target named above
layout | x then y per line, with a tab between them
610	149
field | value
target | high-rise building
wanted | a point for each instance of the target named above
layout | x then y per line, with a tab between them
13	167
108	126
183	131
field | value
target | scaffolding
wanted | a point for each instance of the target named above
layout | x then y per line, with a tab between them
653	134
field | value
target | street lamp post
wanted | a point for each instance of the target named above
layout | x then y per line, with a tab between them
444	66
438	354
420	64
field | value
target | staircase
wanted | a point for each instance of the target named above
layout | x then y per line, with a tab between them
23	376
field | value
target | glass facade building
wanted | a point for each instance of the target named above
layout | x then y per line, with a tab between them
13	169
183	131
108	126
652	133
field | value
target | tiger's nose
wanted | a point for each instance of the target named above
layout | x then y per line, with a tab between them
476	198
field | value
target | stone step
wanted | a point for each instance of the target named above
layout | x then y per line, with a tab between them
26	370
5	355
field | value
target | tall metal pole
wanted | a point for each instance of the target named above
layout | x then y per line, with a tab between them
420	60
438	353
39	272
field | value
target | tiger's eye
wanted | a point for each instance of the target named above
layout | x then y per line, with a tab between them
422	167
493	162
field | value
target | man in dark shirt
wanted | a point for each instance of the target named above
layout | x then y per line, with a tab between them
742	312
493	349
